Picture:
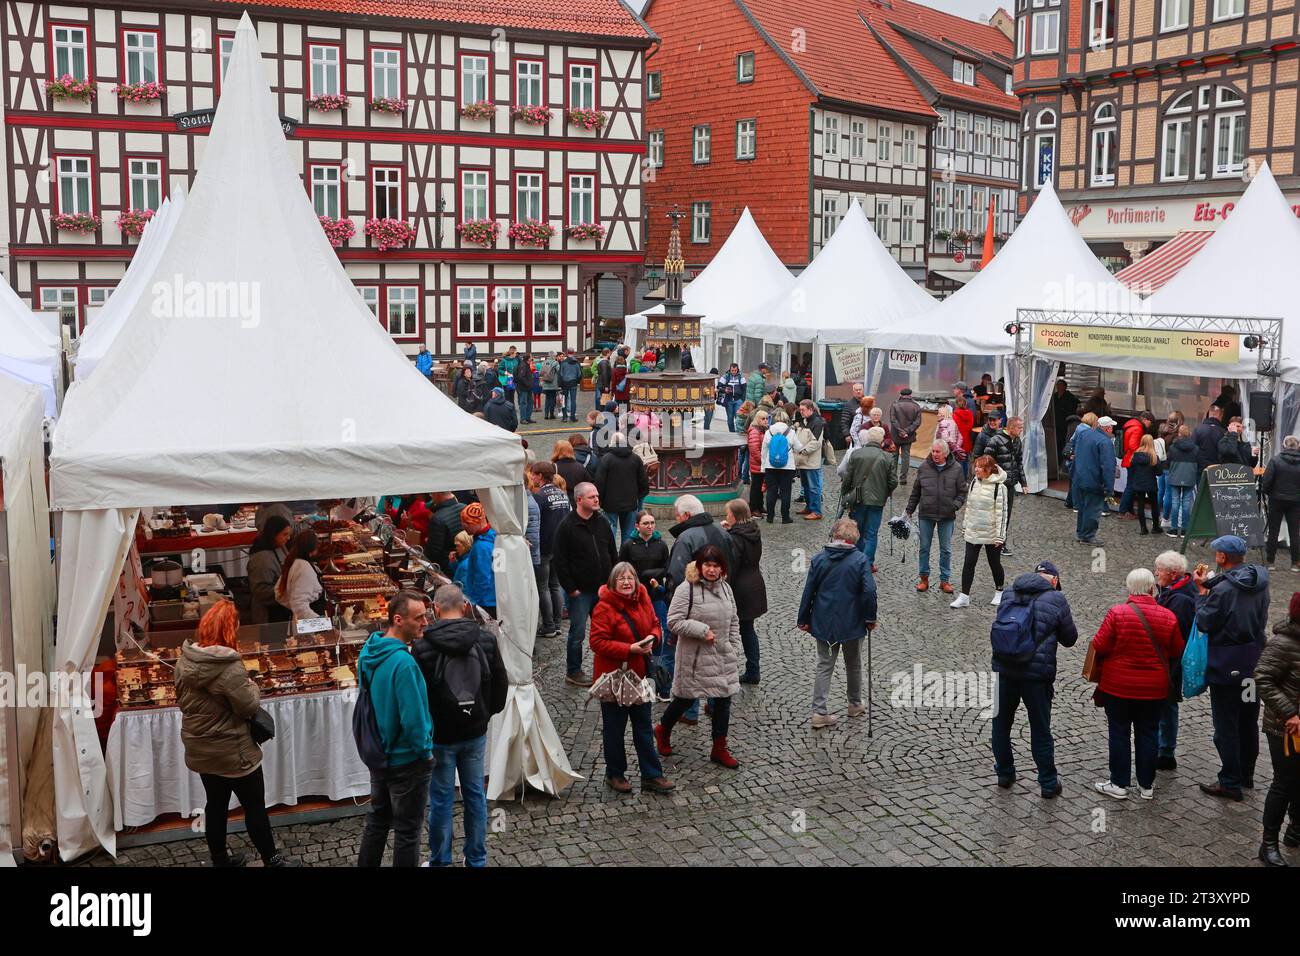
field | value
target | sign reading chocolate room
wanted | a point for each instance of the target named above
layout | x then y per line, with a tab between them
1216	347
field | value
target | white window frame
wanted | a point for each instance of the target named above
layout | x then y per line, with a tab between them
702	144
140	56
326	180
1022	24
746	138
881	222
654	85
1228	9
831	215
884	140
402	302
906	224
476	297
370	296
959	138
385	73
858	139
530	83
744	60
475	194
1175	15
960	194
1046	40
1227	136
941	130
474	70
1102	155
508	310
655	149
979	136
1008	80
146	172
325	58
942	207
548	307
1181	127
702	222
75	172
225	46
388	181
831	136
582	199
582	86
71	50
530	196
1039	139
1100	24
909	145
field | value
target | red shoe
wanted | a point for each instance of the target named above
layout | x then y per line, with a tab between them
722	755
924	583
945	587
661	741
873	569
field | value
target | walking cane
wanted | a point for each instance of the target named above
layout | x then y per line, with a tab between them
869	684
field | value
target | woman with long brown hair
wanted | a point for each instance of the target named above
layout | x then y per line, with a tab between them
300	588
568	467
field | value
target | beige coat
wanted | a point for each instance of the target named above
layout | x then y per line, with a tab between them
216	698
986	509
705	668
810	456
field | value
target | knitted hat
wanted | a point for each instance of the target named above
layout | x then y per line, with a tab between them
473	517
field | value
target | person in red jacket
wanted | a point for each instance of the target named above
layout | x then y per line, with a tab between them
1134	645
1134	429
624	630
417	517
754	436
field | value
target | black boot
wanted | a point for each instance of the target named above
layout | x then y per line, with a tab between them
1269	854
230	859
280	860
1292	836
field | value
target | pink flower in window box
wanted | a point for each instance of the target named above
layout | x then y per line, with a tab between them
338	231
139	92
68	87
480	110
388	104
531	232
481	232
587	119
82	222
532	115
329	102
586	230
390	233
131	222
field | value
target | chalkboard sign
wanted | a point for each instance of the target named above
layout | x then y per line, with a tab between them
1227	503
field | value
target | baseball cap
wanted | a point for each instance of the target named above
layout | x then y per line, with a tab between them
1106	422
1228	544
1047	567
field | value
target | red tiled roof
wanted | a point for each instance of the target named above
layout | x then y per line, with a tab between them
981	37
603	18
833	48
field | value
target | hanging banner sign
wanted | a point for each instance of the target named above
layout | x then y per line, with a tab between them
905	361
202	119
849	362
1210	347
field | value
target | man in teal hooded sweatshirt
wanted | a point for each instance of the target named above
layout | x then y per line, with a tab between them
399	793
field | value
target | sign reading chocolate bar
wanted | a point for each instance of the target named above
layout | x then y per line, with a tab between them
201	119
314	625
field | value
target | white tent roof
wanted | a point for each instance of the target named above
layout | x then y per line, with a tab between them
29	352
1044	264
270	379
852	286
1247	268
108	322
744	273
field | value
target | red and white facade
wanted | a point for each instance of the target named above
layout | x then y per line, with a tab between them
425	163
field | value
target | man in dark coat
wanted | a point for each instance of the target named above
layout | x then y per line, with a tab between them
1177	594
838	608
1207	436
585	553
501	412
1009	451
524	388
622	480
444	525
1033	682
694	529
938	495
1232	450
570	377
1281	485
1093	475
1232	612
904	420
746	579
1064	404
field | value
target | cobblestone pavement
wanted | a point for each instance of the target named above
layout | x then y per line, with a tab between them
920	791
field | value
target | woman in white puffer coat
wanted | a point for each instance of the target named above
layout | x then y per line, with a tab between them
985	526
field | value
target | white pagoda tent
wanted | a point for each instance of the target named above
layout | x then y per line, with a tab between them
257	371
29	351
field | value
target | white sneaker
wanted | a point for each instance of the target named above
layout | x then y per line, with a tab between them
963	600
1110	790
1148	793
823	720
997	598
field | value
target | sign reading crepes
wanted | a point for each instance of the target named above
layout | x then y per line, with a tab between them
849	362
905	361
1212	347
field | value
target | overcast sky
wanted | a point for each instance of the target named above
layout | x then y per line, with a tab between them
971	9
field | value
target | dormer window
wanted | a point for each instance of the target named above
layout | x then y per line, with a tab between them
963	72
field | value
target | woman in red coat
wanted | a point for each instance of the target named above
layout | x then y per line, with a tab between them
965	419
1134	682
624	630
755	439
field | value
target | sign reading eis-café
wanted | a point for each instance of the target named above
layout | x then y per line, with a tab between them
1215	347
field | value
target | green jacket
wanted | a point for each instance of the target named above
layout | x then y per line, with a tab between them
871	477
755	386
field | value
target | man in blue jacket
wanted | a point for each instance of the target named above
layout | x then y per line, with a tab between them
399	792
838	608
424	362
1033	682
1232	612
1093	477
474	571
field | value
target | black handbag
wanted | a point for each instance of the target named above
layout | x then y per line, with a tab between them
653	668
261	726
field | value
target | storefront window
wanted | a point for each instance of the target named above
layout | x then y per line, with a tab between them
751	353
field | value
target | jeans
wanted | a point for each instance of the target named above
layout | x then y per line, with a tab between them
550	596
779	482
1088	501
669	659
1141	720
731	405
398	796
251	791
972	559
826	655
749	641
465	757
1236	735
708	417
868	521
580	606
570	403
681	706
1277	511
811	480
742	463
1164	496
525	398
927	528
904	462
1180	509
549	408
622	523
1284	791
1168	740
1037	696
613	725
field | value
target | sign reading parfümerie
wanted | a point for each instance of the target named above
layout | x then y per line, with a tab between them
202	119
1227	503
1210	347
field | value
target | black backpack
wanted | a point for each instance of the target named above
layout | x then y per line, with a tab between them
457	702
365	728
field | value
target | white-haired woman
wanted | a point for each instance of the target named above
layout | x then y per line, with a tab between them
1134	645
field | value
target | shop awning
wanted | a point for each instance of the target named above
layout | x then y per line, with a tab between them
954	275
1155	269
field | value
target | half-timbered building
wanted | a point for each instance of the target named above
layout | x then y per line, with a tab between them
478	166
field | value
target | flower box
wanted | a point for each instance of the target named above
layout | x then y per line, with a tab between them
531	232
131	222
481	232
329	102
338	231
942	235
388	104
587	119
390	233
82	222
139	92
68	87
586	230
480	110
532	115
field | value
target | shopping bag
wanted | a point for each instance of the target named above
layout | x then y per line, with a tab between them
1195	660
1091	672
